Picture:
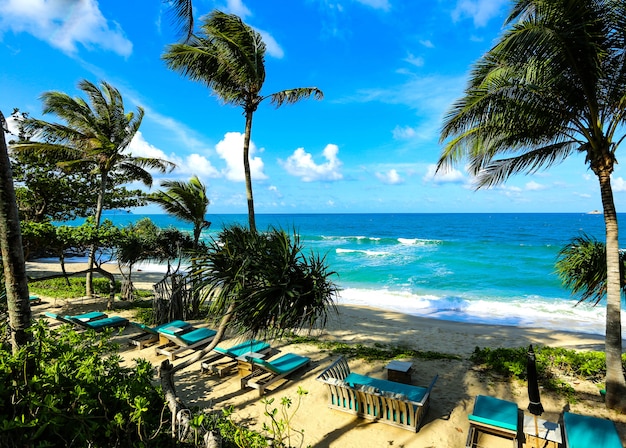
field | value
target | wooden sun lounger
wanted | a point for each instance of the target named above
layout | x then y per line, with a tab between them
150	335
183	341
493	416
272	372
224	360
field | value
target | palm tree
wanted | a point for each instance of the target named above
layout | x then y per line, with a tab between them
552	86
14	268
95	137
259	283
581	266
186	201
183	17
229	58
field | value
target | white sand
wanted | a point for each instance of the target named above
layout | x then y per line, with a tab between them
445	425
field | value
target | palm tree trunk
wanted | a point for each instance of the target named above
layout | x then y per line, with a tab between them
615	381
92	248
246	169
12	253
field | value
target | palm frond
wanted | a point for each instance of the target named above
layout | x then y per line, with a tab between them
292	96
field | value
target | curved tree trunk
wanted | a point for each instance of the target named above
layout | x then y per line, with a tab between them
615	381
166	376
12	253
246	170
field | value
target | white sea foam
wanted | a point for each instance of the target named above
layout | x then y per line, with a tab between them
529	312
371	253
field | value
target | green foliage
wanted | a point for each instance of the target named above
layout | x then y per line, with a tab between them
70	389
264	281
378	353
57	288
280	427
511	362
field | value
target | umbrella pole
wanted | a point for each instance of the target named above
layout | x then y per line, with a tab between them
536	432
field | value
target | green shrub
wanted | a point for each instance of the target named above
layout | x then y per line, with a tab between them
57	288
77	393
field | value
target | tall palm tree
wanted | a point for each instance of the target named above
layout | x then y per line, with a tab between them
554	85
95	136
186	201
14	267
229	57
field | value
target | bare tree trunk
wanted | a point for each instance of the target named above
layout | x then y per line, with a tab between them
167	371
92	248
615	381
12	253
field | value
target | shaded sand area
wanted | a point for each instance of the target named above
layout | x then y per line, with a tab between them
459	381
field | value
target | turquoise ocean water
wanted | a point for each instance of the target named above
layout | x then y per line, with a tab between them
480	268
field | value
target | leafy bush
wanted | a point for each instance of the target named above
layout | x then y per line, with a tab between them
57	288
69	389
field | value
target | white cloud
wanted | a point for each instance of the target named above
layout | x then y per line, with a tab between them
376	4
404	133
237	7
230	149
64	24
618	184
427	43
451	176
414	60
390	177
272	47
301	164
534	186
190	165
480	11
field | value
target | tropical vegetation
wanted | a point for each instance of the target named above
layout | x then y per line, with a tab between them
95	136
228	57
552	86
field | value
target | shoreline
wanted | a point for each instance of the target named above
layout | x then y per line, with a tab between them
446	423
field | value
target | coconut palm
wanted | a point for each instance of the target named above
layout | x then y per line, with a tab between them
552	86
15	287
183	17
228	56
186	201
581	266
95	136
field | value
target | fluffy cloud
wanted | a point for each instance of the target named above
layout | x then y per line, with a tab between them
390	177
481	11
451	176
64	24
301	164
230	149
618	184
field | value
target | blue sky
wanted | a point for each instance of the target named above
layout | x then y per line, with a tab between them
389	70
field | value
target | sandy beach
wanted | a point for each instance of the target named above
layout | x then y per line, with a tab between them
459	382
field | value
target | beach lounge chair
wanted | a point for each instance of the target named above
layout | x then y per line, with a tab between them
273	372
216	363
100	324
150	335
582	431
390	402
493	416
181	340
85	317
34	300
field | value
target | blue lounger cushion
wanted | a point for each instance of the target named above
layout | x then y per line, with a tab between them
284	364
251	346
107	322
155	330
495	412
412	393
195	336
583	432
86	317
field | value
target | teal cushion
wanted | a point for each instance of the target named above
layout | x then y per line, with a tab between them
197	335
172	328
583	432
113	321
86	317
284	364
413	393
495	412
250	346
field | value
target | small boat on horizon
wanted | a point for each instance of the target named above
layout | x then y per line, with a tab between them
594	212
